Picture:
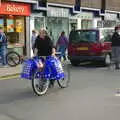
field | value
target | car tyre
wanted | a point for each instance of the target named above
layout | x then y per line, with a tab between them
75	62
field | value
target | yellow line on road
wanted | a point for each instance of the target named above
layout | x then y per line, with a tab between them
8	77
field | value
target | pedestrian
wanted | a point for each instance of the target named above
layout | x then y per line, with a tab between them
3	47
33	38
116	47
62	45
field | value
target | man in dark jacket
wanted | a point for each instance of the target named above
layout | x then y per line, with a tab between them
44	47
116	47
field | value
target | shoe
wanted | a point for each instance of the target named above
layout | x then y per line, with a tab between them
117	68
51	83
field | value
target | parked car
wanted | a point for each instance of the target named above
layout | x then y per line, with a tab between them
90	45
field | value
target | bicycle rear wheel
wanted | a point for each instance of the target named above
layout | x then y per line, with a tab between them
63	83
13	59
39	85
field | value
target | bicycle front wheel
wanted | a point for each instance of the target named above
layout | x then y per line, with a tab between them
13	59
39	85
63	83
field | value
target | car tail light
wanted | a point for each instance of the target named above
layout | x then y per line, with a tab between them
71	49
98	47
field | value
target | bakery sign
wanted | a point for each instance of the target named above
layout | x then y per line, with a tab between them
15	9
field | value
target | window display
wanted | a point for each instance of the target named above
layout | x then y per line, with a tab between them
10	25
19	25
1	22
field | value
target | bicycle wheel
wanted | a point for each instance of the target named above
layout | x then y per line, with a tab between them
39	85
63	83
13	59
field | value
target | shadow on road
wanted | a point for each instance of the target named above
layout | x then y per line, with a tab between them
11	96
91	65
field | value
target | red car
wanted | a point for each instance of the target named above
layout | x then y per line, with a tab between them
90	45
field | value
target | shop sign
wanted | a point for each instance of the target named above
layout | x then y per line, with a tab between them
15	9
84	15
110	16
57	12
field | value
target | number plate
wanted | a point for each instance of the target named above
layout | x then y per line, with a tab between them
82	48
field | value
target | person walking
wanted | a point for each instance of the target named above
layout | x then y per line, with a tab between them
3	47
62	44
116	47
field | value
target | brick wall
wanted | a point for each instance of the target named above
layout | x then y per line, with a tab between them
67	2
113	5
91	3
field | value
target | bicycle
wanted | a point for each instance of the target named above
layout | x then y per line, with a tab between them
13	58
41	77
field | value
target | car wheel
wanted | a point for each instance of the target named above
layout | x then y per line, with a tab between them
75	62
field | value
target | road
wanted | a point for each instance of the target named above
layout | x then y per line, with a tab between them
91	96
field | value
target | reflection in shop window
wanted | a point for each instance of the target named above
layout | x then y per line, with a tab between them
39	23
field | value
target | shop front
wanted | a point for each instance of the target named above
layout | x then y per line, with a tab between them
82	20
57	20
13	20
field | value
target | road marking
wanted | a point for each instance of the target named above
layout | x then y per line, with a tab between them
8	77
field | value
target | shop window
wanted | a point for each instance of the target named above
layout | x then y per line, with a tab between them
19	23
109	23
86	24
39	23
10	25
1	22
106	35
14	28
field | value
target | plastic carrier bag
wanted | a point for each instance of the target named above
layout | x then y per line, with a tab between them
53	68
28	68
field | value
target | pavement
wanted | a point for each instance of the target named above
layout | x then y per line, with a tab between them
9	72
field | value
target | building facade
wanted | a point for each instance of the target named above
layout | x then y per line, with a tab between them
56	16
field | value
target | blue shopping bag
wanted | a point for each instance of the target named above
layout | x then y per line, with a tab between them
28	68
53	68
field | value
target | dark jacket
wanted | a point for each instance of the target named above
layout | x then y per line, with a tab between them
3	39
44	47
115	40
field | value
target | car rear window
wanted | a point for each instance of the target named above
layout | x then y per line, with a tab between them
89	36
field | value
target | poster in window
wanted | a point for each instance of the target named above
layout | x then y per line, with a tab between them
10	25
19	25
1	22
